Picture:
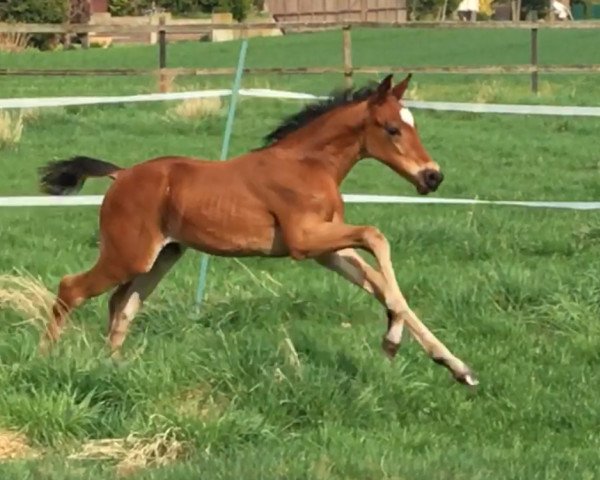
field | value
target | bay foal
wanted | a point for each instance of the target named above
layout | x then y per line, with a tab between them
280	200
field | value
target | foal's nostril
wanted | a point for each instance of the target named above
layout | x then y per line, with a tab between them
433	178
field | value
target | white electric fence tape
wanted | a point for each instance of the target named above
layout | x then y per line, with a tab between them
40	201
6	103
81	200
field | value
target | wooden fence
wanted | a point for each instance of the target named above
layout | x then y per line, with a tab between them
382	11
346	66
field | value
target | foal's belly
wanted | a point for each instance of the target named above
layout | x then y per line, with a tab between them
233	243
221	223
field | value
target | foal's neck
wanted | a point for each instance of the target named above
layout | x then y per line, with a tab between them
335	139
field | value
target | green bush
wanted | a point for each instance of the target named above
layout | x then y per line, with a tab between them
421	9
208	5
122	8
239	8
36	11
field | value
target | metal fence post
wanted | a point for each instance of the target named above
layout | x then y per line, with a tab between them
534	56
348	72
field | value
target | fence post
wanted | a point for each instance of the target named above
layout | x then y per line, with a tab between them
237	82
85	40
534	55
347	57
162	55
515	8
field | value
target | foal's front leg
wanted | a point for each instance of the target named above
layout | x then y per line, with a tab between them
311	239
350	265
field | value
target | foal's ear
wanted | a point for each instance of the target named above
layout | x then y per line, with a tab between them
398	90
383	89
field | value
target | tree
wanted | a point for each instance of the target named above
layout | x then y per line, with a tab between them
424	8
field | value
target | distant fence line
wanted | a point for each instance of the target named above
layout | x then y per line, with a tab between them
347	68
479	108
202	72
65	28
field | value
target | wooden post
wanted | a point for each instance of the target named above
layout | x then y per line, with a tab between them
443	12
534	55
347	57
414	10
551	15
162	56
363	10
67	36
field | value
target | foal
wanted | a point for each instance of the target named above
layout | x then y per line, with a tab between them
280	200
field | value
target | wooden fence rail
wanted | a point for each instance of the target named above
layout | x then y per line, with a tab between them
202	72
204	28
348	69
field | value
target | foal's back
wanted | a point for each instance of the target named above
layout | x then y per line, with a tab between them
224	208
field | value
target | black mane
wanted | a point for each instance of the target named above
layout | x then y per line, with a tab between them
337	98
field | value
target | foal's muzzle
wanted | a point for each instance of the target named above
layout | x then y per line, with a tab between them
429	181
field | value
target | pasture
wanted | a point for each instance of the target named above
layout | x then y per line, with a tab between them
280	375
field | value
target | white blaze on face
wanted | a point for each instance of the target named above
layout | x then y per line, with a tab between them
407	116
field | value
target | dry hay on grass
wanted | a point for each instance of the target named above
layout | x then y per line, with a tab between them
30	114
14	42
413	92
12	124
495	92
26	296
14	445
133	453
194	108
11	128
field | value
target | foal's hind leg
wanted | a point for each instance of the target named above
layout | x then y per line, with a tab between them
119	262
72	292
127	299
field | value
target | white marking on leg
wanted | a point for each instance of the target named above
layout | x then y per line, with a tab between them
132	306
159	249
394	334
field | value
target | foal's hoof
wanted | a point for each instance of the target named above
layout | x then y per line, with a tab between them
390	348
44	347
116	355
467	378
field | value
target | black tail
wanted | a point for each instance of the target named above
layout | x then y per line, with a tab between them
68	176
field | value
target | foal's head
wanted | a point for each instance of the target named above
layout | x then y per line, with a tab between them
391	136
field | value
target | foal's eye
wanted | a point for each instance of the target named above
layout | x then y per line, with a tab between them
391	130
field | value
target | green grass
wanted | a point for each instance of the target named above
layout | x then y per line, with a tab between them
514	292
370	47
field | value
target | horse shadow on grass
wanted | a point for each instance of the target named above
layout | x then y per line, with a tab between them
312	326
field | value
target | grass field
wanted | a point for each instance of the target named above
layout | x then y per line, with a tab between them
280	375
